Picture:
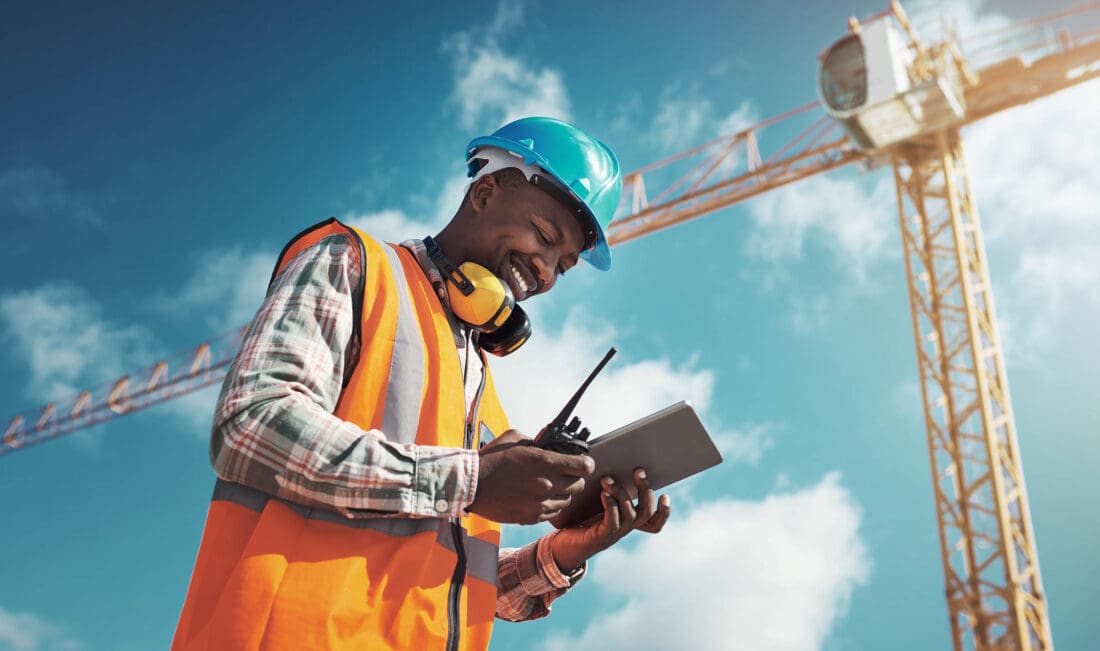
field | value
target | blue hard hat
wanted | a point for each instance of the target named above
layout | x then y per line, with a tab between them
580	166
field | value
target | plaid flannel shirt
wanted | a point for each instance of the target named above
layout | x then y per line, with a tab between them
274	429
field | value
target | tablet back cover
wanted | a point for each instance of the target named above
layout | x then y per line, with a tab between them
671	444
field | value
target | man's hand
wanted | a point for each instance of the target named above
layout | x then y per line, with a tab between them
572	547
520	483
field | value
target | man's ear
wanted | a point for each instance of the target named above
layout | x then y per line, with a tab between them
481	191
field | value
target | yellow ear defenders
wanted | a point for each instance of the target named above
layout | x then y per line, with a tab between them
484	302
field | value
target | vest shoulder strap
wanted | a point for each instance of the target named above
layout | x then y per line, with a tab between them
311	236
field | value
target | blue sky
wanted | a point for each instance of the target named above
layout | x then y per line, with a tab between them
155	158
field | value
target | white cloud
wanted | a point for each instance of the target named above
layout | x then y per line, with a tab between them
225	289
493	87
857	228
746	444
680	120
774	575
450	196
1034	177
809	314
68	345
60	333
387	225
392	225
29	632
195	410
1033	170
684	119
1046	285
535	384
970	20
741	118
38	192
906	399
625	115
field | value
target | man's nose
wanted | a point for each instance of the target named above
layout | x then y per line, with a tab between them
547	269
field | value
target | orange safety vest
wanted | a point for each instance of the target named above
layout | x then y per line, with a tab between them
274	574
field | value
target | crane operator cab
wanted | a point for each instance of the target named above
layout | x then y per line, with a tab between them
884	89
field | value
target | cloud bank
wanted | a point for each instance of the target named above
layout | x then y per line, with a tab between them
62	335
773	575
30	632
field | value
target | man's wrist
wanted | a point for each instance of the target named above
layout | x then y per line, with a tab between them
561	570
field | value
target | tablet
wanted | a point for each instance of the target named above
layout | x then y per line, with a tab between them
671	445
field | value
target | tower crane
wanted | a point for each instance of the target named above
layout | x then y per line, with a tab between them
886	98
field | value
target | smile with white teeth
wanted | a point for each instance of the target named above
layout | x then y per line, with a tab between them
519	279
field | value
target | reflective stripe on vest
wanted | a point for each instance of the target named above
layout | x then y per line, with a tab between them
481	556
401	413
264	561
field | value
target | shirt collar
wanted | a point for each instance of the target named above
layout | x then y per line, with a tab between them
420	252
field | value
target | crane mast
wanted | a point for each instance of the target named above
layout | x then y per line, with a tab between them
906	101
995	597
905	113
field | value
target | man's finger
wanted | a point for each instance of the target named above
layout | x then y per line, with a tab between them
629	514
657	522
570	486
555	505
626	505
647	502
574	465
611	519
508	439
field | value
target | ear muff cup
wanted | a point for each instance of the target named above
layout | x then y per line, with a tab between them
510	336
484	302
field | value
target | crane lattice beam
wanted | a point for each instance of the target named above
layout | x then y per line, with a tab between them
729	170
166	379
991	569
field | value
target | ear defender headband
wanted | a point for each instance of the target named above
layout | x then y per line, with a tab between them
484	302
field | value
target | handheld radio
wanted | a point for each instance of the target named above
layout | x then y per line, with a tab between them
561	437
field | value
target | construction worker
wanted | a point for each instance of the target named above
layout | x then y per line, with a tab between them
364	461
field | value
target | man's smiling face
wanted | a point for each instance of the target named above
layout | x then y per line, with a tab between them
523	235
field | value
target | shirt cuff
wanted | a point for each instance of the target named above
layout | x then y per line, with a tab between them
444	482
549	569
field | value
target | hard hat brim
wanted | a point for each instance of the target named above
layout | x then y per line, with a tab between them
599	256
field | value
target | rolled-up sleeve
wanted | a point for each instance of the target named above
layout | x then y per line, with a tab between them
274	429
529	580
